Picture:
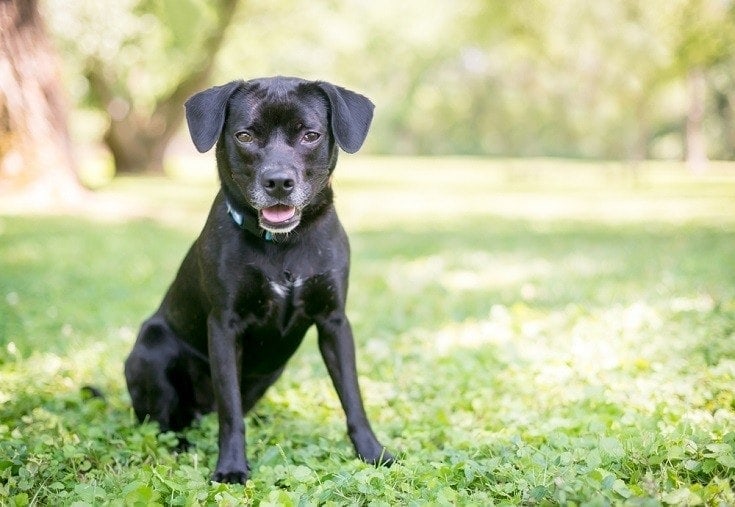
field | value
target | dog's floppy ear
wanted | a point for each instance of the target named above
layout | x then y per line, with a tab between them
351	116
205	114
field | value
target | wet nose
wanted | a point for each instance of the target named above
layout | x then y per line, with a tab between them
277	183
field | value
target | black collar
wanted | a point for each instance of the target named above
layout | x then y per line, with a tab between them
248	223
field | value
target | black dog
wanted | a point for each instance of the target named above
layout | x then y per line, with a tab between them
271	261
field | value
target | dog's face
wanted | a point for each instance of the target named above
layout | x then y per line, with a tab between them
277	141
278	149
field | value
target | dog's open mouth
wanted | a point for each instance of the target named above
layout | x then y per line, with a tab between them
279	218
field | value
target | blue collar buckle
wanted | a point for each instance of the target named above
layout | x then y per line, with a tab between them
247	224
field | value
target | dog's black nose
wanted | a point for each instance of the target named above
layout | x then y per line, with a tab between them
277	183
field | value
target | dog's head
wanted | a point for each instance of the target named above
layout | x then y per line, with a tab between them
277	142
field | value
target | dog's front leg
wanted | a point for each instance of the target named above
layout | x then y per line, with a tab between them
232	466
338	351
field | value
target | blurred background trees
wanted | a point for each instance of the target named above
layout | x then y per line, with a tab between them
137	61
35	149
571	78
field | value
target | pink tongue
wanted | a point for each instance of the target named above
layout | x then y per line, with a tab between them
278	213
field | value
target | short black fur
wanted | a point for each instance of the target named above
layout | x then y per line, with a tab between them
242	302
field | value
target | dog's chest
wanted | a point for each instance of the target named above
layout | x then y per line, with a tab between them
280	305
286	301
286	287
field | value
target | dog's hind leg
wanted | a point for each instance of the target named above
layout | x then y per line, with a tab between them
158	380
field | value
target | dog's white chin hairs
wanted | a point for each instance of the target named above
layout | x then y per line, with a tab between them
278	230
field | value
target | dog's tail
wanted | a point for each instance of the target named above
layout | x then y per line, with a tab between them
89	392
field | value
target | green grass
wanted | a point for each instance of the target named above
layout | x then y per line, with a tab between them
529	332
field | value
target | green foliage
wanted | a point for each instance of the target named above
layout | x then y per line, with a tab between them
536	337
523	78
142	49
706	37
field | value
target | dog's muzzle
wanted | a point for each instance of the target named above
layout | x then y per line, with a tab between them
279	218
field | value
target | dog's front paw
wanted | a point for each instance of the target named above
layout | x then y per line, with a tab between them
231	475
378	457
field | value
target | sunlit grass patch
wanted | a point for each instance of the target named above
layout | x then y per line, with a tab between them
416	192
509	354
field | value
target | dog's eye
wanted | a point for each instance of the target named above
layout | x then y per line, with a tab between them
244	137
311	137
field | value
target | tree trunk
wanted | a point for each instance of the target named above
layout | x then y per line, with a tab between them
639	152
137	141
36	162
696	149
725	102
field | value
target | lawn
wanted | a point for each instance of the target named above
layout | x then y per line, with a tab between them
528	332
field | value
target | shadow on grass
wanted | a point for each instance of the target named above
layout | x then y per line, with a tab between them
452	272
68	281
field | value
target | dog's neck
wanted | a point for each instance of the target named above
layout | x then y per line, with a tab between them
248	223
